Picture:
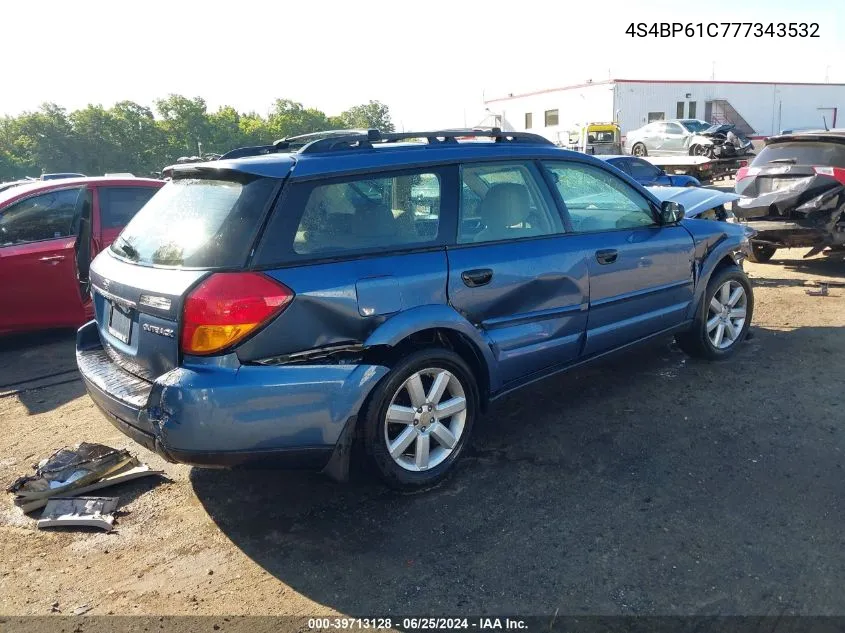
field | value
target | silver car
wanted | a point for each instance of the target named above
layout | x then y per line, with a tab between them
689	137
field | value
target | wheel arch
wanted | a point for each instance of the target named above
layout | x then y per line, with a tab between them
440	326
720	258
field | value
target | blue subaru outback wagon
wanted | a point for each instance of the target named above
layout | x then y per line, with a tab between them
287	301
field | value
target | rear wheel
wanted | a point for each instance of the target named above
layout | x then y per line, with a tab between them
723	320
639	150
418	419
761	253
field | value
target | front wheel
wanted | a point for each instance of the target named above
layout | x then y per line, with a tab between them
723	320
639	150
418	419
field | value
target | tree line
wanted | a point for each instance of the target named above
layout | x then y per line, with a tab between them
130	137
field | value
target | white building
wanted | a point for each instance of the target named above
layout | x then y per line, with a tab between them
758	108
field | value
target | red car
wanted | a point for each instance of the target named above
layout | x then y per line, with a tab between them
49	233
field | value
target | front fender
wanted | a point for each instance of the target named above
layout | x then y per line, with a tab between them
714	241
428	317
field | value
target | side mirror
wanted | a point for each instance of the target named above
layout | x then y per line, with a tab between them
671	212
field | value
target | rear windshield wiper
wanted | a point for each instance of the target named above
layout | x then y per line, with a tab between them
784	160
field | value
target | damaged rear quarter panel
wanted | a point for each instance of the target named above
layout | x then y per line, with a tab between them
343	302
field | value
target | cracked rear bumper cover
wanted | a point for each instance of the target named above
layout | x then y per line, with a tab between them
293	417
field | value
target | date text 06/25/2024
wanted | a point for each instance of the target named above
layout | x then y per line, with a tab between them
723	29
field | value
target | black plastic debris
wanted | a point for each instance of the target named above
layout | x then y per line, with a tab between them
70	468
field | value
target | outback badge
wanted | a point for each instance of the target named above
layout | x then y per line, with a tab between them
157	329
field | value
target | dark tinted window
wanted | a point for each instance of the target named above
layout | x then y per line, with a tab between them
197	223
118	205
641	170
803	153
366	213
44	217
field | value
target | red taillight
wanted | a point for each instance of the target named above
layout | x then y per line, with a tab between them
741	173
226	307
835	172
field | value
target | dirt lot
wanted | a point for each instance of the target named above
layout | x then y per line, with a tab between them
649	484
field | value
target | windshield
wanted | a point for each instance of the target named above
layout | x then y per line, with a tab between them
695	126
802	153
196	223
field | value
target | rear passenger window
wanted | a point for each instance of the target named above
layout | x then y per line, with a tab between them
504	201
367	213
118	205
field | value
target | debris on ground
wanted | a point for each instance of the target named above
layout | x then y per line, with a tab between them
94	512
71	468
61	479
821	292
124	474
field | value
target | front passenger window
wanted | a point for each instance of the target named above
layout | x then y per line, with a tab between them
596	200
44	217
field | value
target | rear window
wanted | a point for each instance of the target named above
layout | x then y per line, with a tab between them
196	223
803	153
118	205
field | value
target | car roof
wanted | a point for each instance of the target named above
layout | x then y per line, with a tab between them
21	191
837	135
389	156
609	157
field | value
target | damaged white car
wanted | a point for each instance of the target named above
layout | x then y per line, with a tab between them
689	137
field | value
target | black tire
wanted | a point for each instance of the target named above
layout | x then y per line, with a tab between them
374	418
639	150
761	253
696	342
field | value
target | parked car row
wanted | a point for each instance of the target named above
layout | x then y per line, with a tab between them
366	287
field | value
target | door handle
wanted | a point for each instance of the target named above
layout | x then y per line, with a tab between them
54	259
607	255
477	277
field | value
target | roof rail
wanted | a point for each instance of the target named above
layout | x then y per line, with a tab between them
343	140
337	140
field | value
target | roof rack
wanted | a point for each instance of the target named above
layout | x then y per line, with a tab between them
338	140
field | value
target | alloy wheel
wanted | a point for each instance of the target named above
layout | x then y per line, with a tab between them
726	314
425	419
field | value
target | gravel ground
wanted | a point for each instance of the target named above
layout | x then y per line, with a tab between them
649	484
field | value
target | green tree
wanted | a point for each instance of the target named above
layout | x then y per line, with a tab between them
185	124
129	137
373	114
289	118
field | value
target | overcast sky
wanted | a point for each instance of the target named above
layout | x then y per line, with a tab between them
431	61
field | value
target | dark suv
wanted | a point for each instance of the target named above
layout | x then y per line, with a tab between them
793	194
287	300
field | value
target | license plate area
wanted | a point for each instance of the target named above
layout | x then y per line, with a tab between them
777	184
119	323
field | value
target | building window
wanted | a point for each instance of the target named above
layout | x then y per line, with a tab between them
692	109
679	114
656	116
551	118
529	120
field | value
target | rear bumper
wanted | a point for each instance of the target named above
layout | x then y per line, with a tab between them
209	415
